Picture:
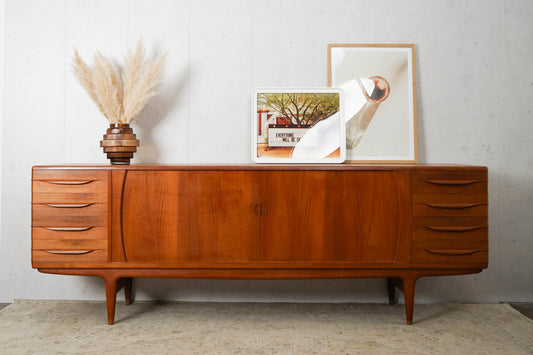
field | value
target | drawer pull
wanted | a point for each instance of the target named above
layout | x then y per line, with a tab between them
454	252
80	182
68	229
69	252
68	206
454	229
457	206
453	182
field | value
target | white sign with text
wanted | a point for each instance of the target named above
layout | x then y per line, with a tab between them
288	137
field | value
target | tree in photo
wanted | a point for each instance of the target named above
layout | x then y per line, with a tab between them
303	108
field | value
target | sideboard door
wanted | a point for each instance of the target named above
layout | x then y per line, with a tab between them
336	216
199	216
268	216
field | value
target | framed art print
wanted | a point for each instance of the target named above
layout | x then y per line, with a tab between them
303	125
380	104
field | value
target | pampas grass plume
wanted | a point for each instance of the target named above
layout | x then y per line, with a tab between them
120	95
108	88
85	77
140	80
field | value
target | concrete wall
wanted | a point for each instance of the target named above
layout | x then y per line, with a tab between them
474	98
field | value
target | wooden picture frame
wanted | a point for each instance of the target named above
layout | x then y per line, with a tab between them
378	81
298	125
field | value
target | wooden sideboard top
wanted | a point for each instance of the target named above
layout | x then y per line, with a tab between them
290	167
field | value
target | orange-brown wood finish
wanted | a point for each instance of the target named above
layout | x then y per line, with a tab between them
402	222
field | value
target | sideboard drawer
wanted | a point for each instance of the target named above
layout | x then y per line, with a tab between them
69	244
69	175
69	215
450	205
451	221
450	238
69	192
69	256
450	198
471	182
70	232
467	256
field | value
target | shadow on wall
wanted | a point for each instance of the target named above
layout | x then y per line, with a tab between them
516	230
155	112
212	290
419	111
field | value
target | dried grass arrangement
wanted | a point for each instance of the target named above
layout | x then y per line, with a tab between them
120	95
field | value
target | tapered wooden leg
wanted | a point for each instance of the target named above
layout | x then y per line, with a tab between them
391	288
409	295
128	285
111	298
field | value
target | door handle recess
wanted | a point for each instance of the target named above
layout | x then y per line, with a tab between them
71	182
69	252
68	229
67	205
456	206
454	252
454	229
453	182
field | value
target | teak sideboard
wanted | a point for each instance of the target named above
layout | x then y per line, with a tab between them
400	222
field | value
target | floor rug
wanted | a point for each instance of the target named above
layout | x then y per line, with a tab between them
43	327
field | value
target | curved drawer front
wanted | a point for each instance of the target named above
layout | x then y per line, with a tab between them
467	256
61	191
69	244
450	205
69	174
449	209
69	256
69	215
444	237
70	232
69	186
471	182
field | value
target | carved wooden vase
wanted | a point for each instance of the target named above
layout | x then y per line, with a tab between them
119	143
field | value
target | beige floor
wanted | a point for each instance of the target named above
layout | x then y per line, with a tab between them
44	327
